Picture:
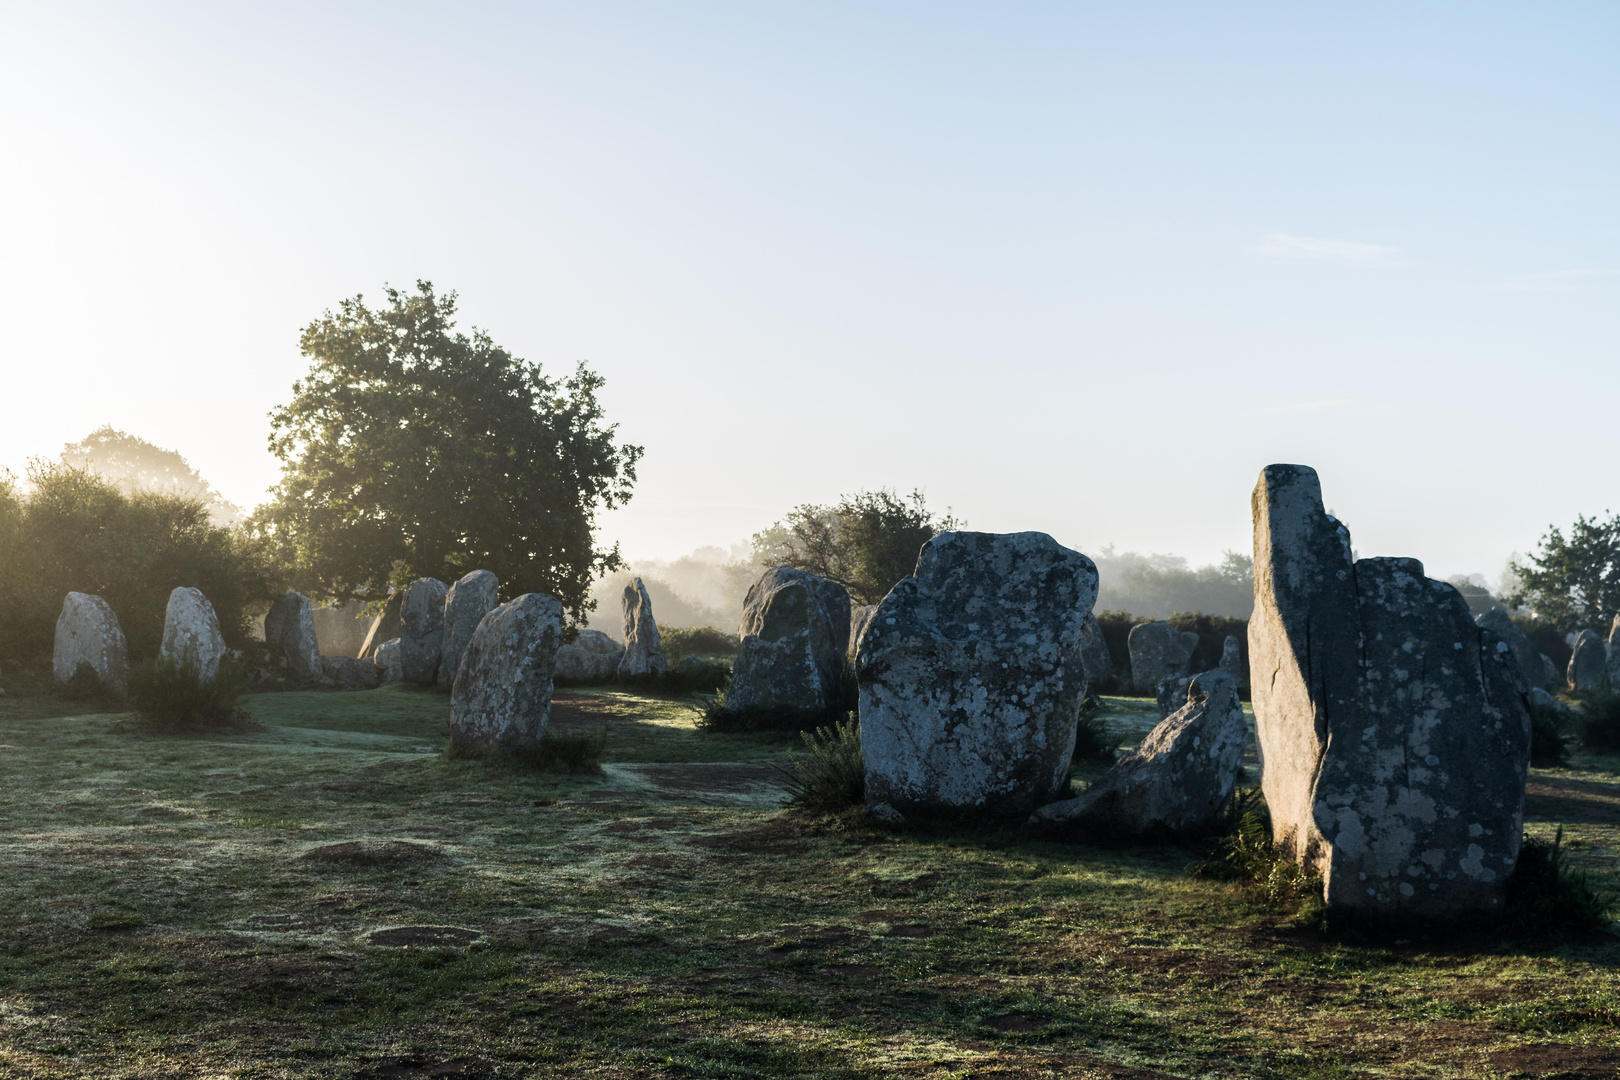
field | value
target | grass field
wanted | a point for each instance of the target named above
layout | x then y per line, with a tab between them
329	896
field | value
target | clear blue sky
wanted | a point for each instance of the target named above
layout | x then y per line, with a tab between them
1075	268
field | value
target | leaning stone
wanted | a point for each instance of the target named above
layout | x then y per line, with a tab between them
1588	663
289	629
350	673
1171	693
501	700
643	658
88	636
468	601
592	658
790	652
1500	623
421	634
386	626
191	632
971	677
1394	737
1159	650
1094	655
1178	779
859	619
387	660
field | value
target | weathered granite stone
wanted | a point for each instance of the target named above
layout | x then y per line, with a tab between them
386	658
1159	650
884	814
1172	693
88	635
859	619
350	673
502	696
592	658
1500	623
421	631
1589	662
1549	673
1541	699
789	656
386	626
1394	735
191	632
642	655
465	605
1233	663
1094	655
289	629
1178	779
971	677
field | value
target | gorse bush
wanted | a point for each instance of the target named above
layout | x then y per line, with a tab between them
1599	721
1093	742
832	774
1547	895
172	696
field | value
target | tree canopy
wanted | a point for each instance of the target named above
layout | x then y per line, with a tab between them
411	450
1574	582
867	542
131	464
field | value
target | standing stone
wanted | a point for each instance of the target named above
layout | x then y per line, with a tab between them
388	662
642	656
1178	779
289	629
386	626
971	677
1171	694
1394	735
1233	664
1159	650
1589	662
1525	655
501	700
592	658
792	640
191	632
1094	652
421	632
1614	654
465	605
859	619
1549	672
88	635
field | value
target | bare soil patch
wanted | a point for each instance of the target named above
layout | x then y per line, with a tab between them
773	839
418	1068
424	936
383	853
1558	1061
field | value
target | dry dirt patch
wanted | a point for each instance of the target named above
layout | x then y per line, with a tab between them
384	853
424	936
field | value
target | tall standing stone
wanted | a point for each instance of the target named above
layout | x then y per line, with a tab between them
385	627
191	632
791	644
1159	651
88	635
1094	652
421	631
465	605
642	656
971	677
1394	734
1588	662
1178	779
289	629
501	700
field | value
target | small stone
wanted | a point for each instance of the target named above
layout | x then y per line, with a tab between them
1094	655
501	701
386	626
350	673
1589	662
88	635
1541	699
1159	650
1233	664
421	635
592	658
289	631
1500	623
191	632
1178	779
388	662
884	813
468	601
643	657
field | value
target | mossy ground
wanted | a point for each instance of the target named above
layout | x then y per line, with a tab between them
329	896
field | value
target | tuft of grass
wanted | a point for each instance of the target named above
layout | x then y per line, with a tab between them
171	695
1245	854
1093	742
1546	895
832	775
1599	722
558	751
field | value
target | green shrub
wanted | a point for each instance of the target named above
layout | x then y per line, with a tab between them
1548	736
694	675
677	642
1599	721
1245	854
1093	742
1547	895
832	775
558	751
171	695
